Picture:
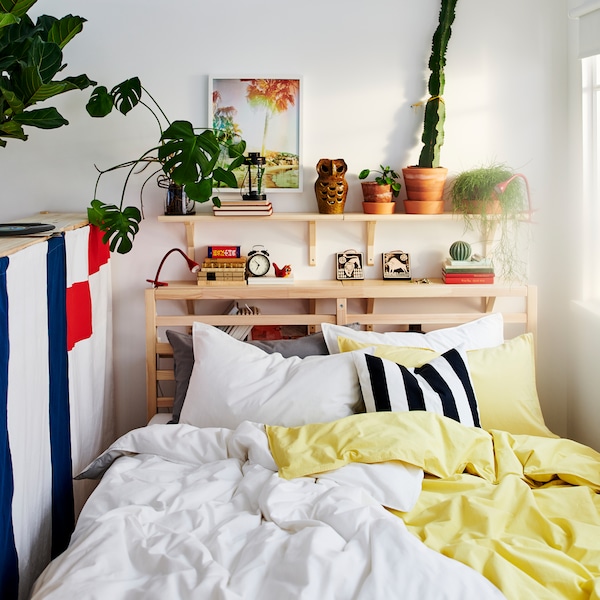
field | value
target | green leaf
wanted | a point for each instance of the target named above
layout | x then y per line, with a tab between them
237	150
11	129
119	226
235	163
54	88
65	29
12	100
225	177
16	7
127	94
42	118
181	155
364	174
47	57
100	103
7	19
199	191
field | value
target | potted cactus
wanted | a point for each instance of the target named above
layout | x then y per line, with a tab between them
425	182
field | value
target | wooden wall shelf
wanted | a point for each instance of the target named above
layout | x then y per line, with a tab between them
311	219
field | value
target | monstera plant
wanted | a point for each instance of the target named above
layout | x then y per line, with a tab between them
30	58
181	155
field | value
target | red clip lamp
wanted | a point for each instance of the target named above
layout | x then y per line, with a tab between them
193	266
501	188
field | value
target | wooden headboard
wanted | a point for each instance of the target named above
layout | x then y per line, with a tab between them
374	304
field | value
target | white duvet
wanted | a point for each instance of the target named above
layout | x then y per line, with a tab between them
196	513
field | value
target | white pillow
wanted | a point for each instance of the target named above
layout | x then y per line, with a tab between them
442	386
486	332
233	382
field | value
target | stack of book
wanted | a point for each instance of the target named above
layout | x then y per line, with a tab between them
468	271
243	208
223	271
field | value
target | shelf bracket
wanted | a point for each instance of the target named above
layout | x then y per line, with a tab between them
312	243
489	304
189	239
371	242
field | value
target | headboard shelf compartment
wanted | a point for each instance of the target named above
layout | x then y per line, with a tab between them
371	303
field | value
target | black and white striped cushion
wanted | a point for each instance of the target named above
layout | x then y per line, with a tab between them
442	386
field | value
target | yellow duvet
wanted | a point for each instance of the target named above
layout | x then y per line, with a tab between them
522	510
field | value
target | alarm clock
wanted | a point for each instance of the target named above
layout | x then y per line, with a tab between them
258	261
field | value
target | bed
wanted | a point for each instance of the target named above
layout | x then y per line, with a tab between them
358	461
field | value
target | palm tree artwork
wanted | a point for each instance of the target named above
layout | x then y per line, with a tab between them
266	113
275	95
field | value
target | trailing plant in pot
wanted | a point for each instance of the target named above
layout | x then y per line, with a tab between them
425	182
31	55
378	194
183	160
495	200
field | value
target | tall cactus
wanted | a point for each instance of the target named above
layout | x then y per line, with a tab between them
435	109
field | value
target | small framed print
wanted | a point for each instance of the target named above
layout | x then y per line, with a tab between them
349	265
396	265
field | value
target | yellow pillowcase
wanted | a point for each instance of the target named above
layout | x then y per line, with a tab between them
403	355
503	378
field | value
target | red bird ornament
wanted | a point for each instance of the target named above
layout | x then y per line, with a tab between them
282	271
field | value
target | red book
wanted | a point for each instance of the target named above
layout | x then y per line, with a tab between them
466	278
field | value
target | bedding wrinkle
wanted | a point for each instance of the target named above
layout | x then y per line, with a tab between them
187	526
531	525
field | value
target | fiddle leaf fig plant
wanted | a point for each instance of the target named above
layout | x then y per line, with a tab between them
30	58
182	155
435	108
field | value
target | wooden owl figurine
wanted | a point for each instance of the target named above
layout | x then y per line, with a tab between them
331	186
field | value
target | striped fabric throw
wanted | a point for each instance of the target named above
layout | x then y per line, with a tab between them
47	387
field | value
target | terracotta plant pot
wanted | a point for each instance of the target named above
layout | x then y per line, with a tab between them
424	207
489	207
425	185
379	208
375	192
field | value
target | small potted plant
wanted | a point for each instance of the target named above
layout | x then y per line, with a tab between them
378	194
184	161
495	200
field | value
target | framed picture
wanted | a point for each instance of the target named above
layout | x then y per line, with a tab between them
396	265
266	113
349	265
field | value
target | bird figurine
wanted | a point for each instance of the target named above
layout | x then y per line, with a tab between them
284	271
331	186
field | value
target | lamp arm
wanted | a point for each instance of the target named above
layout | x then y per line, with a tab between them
193	266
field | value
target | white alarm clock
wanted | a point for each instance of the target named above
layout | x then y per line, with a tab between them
258	261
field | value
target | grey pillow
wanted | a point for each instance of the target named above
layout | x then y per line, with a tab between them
183	358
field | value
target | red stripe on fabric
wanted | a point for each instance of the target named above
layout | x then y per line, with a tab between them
98	251
79	313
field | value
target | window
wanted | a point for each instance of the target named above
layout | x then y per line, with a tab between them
591	172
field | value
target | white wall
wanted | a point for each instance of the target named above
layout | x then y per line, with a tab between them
363	64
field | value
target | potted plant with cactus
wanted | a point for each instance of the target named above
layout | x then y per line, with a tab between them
183	161
425	181
378	194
